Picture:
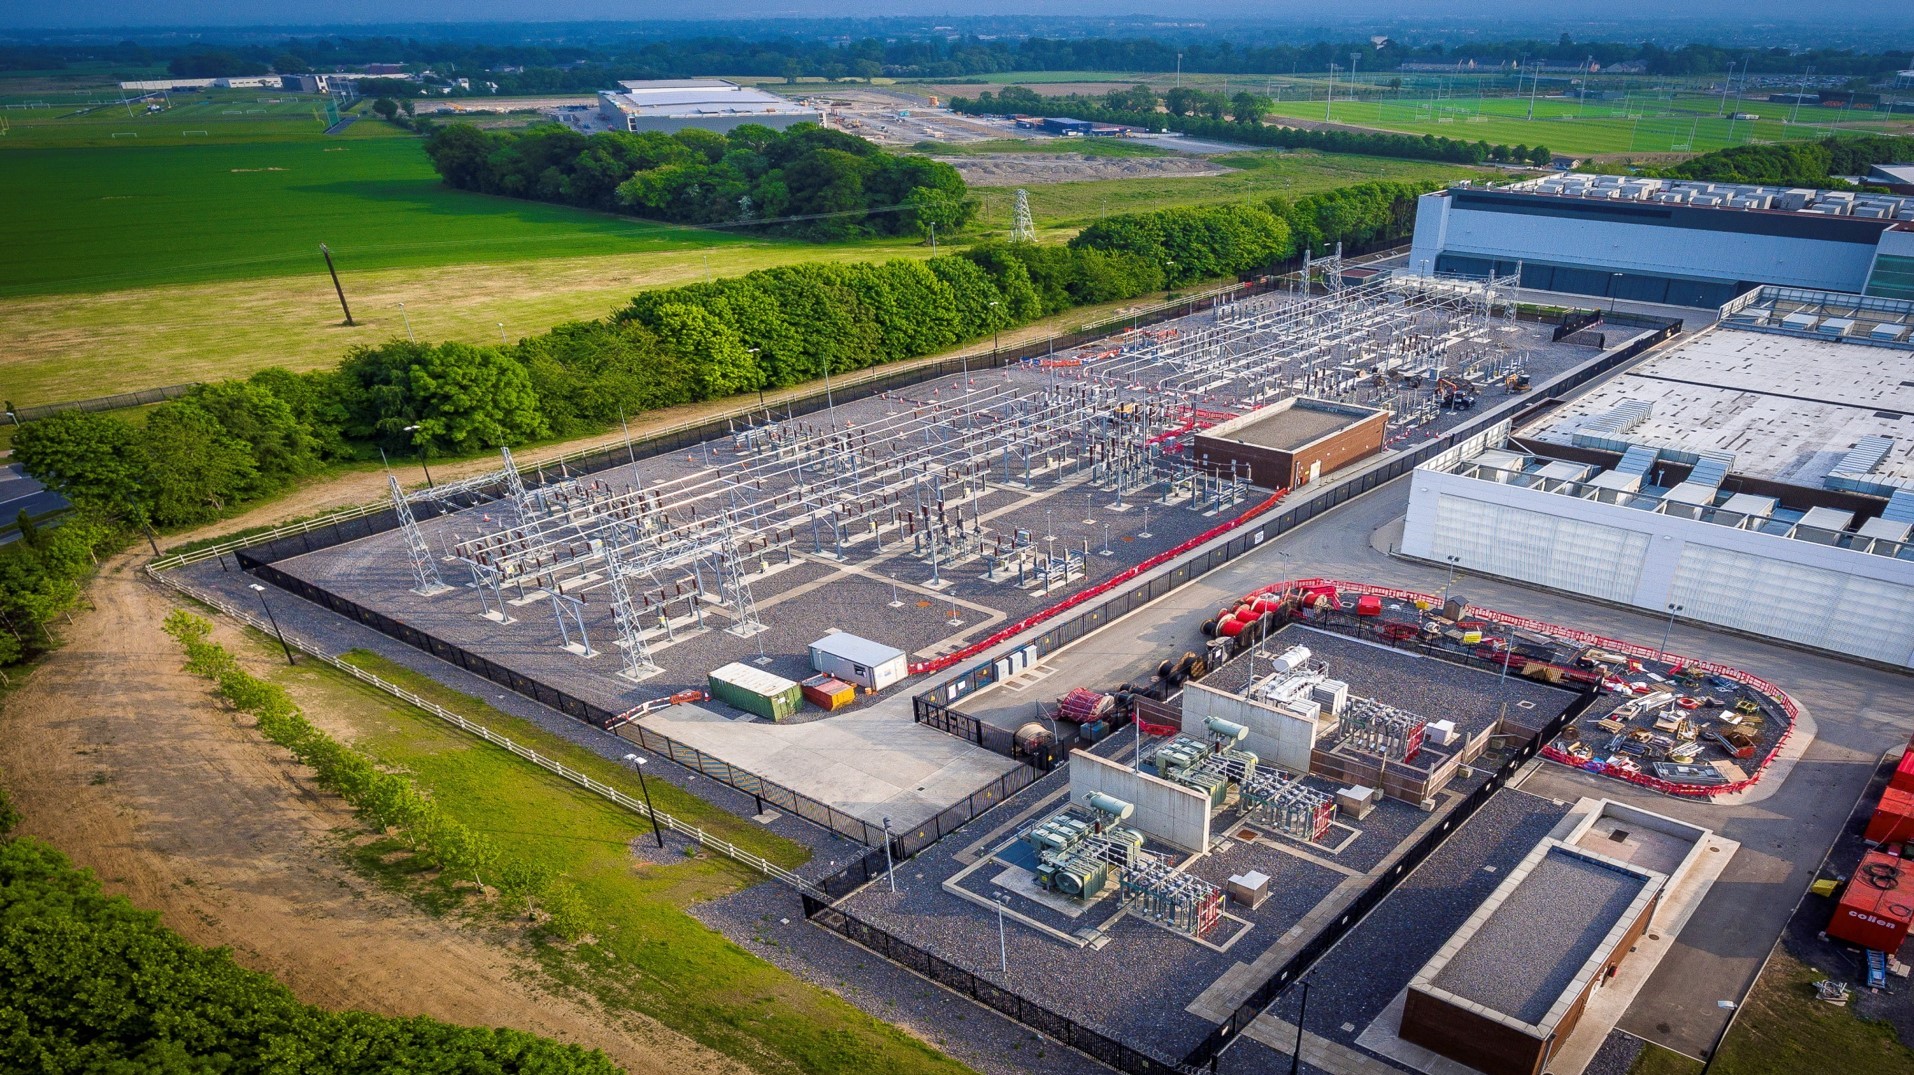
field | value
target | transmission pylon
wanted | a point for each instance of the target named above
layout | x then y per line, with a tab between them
1023	229
423	568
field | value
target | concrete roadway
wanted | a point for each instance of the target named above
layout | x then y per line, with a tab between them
1784	831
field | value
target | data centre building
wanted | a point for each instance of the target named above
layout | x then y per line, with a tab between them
1678	242
1758	475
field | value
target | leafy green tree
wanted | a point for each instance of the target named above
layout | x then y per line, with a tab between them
386	107
191	467
1250	107
461	397
87	457
724	366
283	447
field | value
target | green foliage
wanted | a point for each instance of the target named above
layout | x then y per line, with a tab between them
459	397
1236	119
389	800
88	982
9	816
41	580
805	181
1792	164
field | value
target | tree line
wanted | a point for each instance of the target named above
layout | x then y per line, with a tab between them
913	48
42	575
232	442
1792	164
1237	119
806	181
89	982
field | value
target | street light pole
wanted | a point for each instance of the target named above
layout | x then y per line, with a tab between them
1296	1058
890	866
1003	947
1673	611
408	323
638	764
423	464
274	620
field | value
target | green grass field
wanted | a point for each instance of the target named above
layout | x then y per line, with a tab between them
1646	124
1063	207
98	219
646	954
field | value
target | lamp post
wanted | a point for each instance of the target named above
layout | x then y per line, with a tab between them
503	342
1003	945
1673	611
996	341
1453	560
1302	1010
1613	279
638	765
423	465
274	620
408	323
890	865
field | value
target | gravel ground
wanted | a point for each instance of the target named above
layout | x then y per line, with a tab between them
1617	1054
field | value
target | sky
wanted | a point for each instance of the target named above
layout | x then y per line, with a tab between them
100	13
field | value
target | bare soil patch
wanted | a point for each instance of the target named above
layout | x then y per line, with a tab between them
1019	169
133	769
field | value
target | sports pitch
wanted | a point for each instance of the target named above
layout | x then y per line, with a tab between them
1640	123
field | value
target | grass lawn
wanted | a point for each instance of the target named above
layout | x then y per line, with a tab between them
645	953
1643	124
1061	208
1783	1030
104	219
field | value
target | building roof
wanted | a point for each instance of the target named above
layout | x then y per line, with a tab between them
852	648
1737	196
1788	408
698	97
1530	948
1291	424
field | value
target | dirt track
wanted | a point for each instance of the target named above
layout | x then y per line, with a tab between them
131	767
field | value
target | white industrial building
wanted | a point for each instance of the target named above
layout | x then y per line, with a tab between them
1758	476
711	104
1679	242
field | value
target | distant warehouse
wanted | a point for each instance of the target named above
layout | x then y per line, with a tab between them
1680	242
711	104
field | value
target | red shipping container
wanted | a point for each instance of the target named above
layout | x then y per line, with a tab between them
1877	907
1904	773
1368	605
1893	819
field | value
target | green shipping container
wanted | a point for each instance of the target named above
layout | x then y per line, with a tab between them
755	691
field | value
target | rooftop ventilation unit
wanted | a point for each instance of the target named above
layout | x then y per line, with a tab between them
1608	431
1854	472
1900	506
1712	469
1637	460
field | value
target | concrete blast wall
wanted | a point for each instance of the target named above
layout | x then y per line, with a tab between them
1169	812
1276	738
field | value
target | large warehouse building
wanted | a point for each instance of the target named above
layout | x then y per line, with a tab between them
711	104
1667	241
1759	476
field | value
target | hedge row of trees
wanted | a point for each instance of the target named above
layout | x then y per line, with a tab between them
89	982
1793	164
806	180
41	575
389	801
1237	119
199	456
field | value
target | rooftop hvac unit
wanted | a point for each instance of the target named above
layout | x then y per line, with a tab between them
1888	333
1835	326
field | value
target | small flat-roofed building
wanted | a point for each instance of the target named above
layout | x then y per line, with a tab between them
859	660
1513	981
1289	444
711	104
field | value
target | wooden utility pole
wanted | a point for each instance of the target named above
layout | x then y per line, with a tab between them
323	249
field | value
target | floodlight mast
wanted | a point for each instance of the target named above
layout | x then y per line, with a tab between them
327	252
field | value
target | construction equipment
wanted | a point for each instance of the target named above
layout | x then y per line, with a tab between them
1516	383
685	697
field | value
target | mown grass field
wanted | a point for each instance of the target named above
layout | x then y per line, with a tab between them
1639	124
646	954
109	218
1062	208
